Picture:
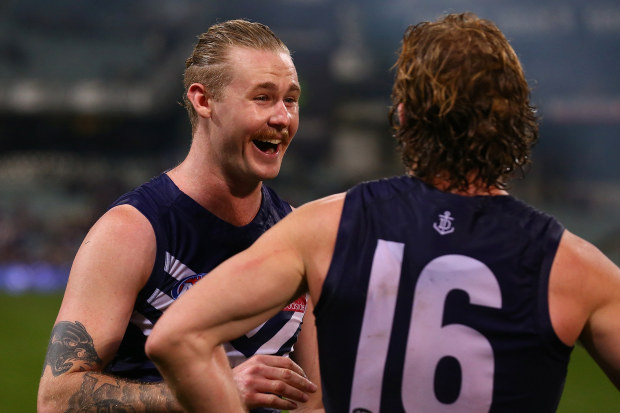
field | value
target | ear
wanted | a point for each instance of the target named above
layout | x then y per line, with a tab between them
200	99
401	113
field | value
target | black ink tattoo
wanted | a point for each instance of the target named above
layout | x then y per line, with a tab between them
107	394
107	398
70	344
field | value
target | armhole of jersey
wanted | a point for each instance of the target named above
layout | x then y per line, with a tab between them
331	282
548	334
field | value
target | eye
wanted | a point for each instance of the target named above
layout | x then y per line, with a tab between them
262	98
291	100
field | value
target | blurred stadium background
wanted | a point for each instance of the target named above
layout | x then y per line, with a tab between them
89	96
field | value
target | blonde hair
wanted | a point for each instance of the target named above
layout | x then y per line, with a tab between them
208	64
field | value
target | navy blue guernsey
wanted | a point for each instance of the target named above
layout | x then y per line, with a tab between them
436	302
191	241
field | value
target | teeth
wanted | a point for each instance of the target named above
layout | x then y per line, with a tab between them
272	141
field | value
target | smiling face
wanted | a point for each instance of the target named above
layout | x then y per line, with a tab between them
255	119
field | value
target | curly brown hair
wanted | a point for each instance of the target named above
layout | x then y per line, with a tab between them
466	112
208	64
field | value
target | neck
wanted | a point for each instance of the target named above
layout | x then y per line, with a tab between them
235	204
474	189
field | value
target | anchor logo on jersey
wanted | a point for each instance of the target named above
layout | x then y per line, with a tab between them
444	226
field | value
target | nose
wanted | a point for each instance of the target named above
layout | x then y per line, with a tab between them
281	116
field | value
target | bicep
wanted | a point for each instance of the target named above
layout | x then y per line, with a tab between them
110	268
601	334
597	292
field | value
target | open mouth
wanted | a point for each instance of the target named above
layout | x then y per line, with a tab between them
267	146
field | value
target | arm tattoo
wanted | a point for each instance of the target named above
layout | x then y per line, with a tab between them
102	393
70	343
107	398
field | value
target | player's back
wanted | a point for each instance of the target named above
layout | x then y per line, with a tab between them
436	302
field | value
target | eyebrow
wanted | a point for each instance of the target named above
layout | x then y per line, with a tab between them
270	85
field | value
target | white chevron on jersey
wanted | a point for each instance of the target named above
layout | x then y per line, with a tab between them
272	346
143	323
274	343
176	268
255	330
159	299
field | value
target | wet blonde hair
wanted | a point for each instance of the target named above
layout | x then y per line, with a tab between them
208	64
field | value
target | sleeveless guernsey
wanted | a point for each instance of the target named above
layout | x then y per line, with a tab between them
436	302
191	241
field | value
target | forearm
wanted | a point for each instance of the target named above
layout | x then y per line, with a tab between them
202	383
82	391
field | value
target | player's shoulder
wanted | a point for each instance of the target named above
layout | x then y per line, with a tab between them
123	221
577	254
384	186
119	249
386	190
330	203
315	216
581	267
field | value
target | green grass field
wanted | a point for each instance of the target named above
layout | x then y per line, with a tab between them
26	323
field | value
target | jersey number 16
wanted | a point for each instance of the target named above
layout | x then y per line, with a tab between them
429	342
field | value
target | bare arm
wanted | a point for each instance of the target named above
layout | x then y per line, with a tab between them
275	270
585	302
306	353
109	269
601	334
